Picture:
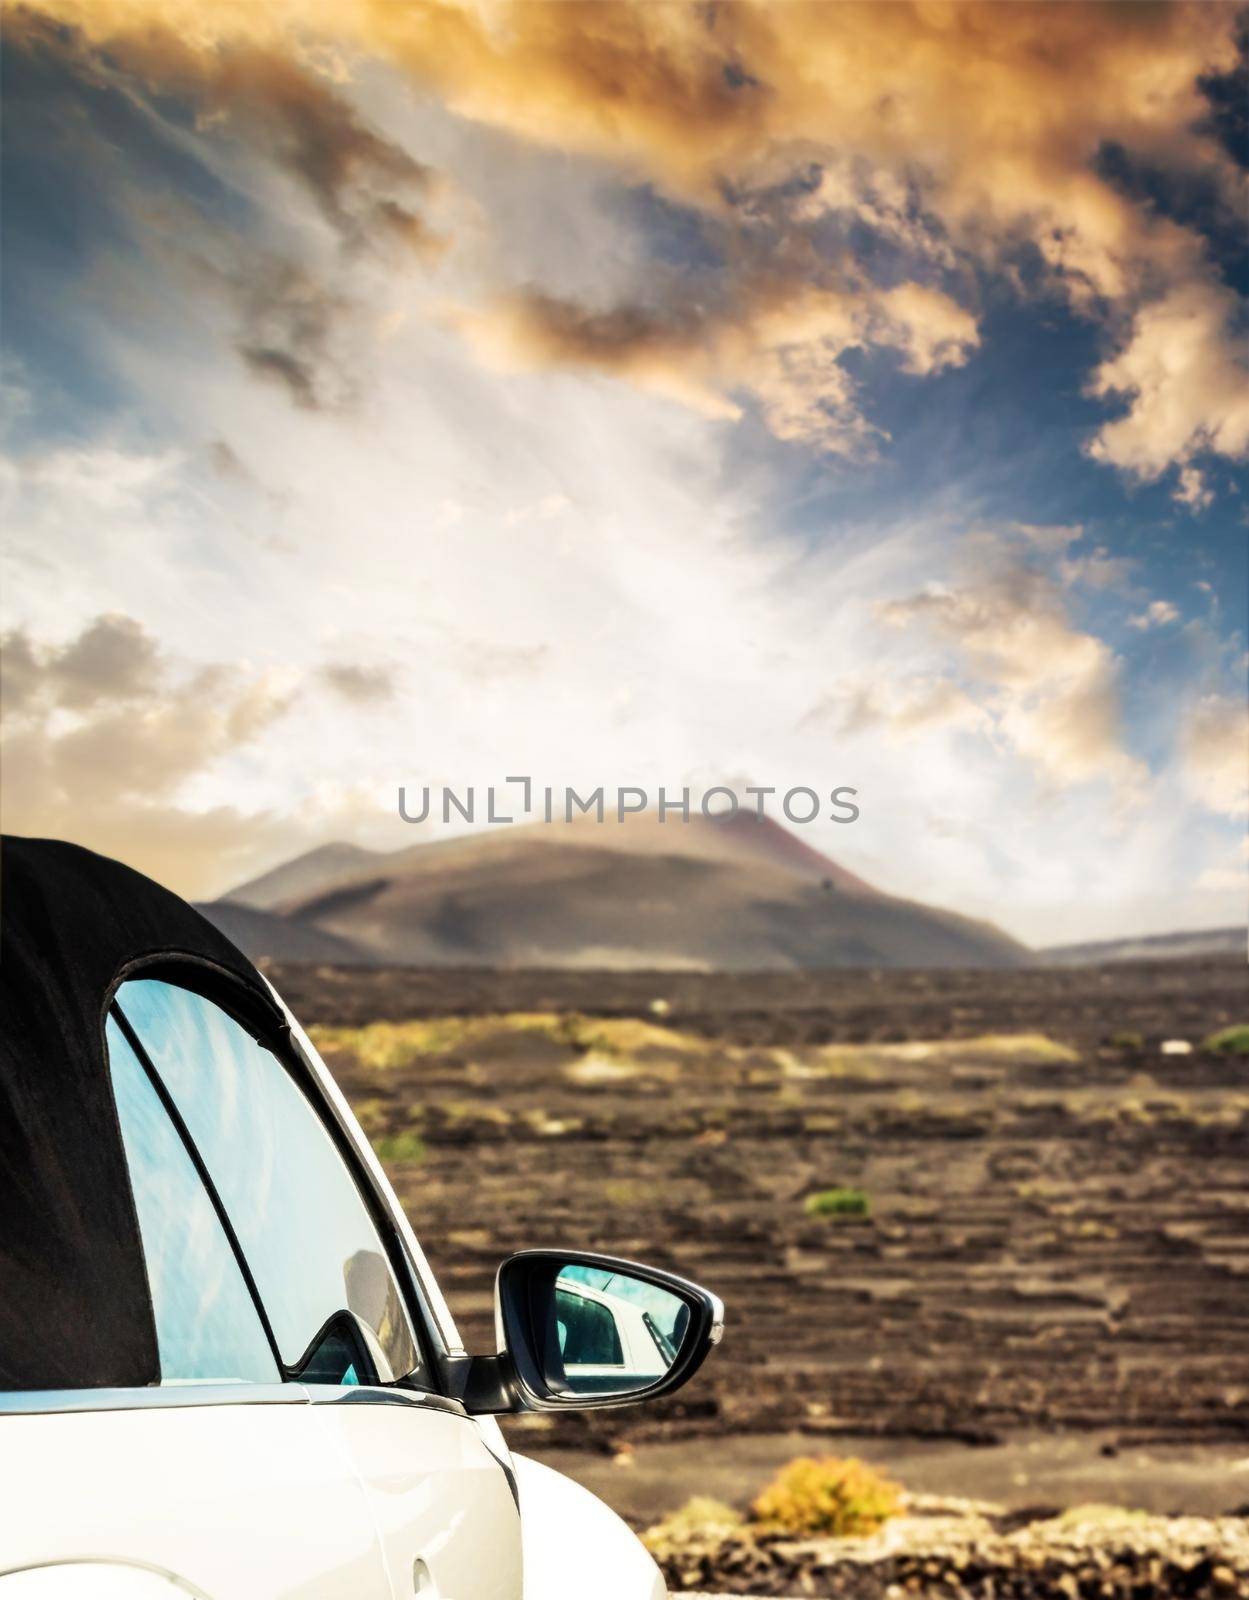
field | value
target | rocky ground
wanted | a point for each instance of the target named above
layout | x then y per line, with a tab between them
948	1548
1058	1234
1083	1005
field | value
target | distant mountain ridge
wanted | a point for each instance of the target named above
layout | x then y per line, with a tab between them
1149	947
711	894
262	934
306	874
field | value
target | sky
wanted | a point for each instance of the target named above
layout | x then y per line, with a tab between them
635	394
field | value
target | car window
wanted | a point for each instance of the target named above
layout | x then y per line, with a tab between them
319	1265
207	1326
588	1336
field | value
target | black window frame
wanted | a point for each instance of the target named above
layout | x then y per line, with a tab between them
222	989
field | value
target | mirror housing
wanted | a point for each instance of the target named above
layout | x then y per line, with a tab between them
528	1373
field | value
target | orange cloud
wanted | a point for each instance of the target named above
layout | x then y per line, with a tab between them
998	112
961	131
778	344
1185	375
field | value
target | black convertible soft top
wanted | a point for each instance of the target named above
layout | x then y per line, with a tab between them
75	1308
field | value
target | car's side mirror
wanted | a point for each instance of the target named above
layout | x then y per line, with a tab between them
577	1331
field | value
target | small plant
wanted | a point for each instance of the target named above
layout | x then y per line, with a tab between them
1229	1041
701	1527
406	1146
838	1203
833	1495
1127	1041
698	1515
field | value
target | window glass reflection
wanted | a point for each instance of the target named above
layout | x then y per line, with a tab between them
302	1224
667	1314
615	1332
207	1328
587	1332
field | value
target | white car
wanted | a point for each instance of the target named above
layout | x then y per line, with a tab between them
226	1369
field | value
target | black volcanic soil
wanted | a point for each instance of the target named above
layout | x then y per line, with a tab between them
1079	1005
1057	1240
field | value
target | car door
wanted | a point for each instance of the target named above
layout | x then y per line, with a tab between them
305	1224
222	1476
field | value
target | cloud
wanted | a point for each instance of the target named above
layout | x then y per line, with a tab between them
100	475
1157	614
112	659
1050	689
664	353
103	734
913	140
703	101
1192	490
282	101
778	343
1186	379
929	328
199	208
1097	570
359	685
19	675
287	337
1215	749
1230	876
900	706
363	185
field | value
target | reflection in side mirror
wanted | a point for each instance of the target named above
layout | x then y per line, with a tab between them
615	1332
583	1330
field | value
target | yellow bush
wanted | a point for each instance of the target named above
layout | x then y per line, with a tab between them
828	1496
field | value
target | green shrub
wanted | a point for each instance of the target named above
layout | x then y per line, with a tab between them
1229	1041
1128	1041
838	1203
832	1495
406	1146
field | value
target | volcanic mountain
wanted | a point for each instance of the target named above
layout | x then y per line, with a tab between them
712	894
